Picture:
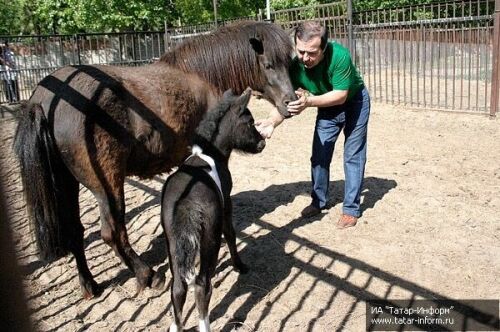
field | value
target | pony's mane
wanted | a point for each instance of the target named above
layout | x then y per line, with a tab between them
226	59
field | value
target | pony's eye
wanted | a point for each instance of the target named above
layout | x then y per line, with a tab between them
267	65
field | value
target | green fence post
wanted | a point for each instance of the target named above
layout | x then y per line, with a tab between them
495	75
349	26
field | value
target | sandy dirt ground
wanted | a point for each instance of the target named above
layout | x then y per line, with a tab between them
430	230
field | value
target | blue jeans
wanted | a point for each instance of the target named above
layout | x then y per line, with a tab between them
352	117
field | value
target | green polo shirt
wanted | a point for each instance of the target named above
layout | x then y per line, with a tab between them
335	72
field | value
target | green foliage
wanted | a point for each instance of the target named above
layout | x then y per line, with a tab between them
285	4
228	9
194	11
119	15
202	11
10	16
360	5
73	16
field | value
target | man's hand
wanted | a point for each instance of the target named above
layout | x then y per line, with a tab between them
265	127
296	107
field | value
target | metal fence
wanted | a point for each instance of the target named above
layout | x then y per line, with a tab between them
437	56
38	56
176	35
333	16
442	55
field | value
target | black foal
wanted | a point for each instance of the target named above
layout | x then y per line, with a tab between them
196	204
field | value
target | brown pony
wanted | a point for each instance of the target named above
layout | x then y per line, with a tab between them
263	70
95	125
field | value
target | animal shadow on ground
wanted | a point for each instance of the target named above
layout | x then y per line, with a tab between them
271	263
270	268
255	254
374	190
277	265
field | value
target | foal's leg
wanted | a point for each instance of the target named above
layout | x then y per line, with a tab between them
178	292
114	233
230	236
209	253
203	292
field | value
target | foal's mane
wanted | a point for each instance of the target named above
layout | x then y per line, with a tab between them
226	59
209	126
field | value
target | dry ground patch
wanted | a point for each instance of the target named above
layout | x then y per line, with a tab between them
430	229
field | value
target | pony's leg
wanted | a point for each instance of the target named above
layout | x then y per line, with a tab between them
114	233
230	236
73	231
87	283
103	173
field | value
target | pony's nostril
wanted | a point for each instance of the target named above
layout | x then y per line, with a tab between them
286	102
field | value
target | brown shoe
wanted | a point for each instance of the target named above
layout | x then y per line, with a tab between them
346	221
310	211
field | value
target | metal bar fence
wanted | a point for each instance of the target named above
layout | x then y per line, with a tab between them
176	35
436	56
332	15
495	85
38	56
440	55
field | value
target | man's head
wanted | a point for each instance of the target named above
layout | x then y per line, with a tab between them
310	42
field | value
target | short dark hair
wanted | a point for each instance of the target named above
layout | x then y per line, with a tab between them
307	30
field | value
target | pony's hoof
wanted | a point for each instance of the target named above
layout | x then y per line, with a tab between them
90	290
140	287
151	279
144	280
158	281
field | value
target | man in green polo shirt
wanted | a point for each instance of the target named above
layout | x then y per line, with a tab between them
325	77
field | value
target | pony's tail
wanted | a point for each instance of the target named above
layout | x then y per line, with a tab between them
187	242
43	175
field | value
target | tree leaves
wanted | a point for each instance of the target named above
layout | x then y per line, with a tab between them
84	16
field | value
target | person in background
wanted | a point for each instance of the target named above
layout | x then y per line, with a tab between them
325	77
3	75
9	74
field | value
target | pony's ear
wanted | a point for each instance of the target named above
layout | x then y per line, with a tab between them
228	93
245	98
257	45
